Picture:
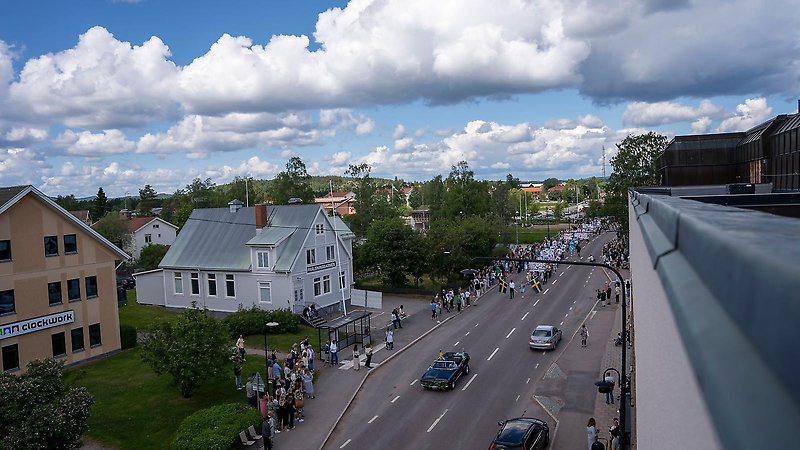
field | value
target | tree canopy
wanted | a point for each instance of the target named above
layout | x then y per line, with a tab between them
635	162
294	182
115	229
100	206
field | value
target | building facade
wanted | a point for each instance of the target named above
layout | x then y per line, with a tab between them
150	230
57	283
271	257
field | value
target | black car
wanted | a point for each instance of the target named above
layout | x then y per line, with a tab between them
445	371
126	282
524	433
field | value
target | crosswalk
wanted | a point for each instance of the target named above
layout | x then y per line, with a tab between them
347	364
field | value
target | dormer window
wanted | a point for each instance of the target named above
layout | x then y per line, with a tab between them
319	228
263	259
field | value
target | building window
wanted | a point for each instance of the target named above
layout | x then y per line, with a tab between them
10	357
148	238
326	284
178	283
77	339
298	296
194	281
7	302
311	256
265	292
59	345
263	260
155	225
51	246
319	228
5	250
317	287
54	293
74	290
212	284
91	287
342	280
230	286
95	338
330	252
70	244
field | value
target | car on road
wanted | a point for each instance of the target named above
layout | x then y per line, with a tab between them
545	337
524	433
445	371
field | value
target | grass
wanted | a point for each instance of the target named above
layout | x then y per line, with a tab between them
136	409
281	342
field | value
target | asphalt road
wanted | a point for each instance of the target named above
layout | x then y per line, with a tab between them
392	410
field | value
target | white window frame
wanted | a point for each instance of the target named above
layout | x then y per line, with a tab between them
317	286
330	252
265	286
177	283
298	295
311	256
155	225
319	228
262	259
194	280
148	238
342	280
326	284
211	278
232	279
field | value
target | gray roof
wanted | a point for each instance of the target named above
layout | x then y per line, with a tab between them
217	239
8	193
341	228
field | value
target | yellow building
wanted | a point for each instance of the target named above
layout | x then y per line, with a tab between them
57	283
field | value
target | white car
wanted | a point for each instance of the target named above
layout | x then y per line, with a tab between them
545	337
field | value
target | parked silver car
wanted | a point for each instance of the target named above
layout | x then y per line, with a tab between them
545	337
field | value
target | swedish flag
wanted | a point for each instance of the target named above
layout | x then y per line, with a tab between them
536	285
503	287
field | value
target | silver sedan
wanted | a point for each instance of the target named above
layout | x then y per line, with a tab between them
545	337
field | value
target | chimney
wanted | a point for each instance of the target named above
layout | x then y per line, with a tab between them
235	205
261	216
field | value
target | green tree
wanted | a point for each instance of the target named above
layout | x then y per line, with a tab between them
370	203
293	182
115	229
463	195
151	256
558	210
69	203
635	162
197	194
550	182
100	205
416	198
391	246
191	349
147	200
38	412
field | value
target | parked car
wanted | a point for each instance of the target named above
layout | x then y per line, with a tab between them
126	282
445	371
524	433
545	337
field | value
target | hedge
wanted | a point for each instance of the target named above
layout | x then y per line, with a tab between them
216	428
253	321
127	334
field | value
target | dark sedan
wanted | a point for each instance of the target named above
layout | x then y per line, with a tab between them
445	371
524	433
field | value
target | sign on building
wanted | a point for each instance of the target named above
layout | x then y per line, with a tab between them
15	329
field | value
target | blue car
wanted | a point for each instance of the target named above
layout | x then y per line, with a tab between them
445	371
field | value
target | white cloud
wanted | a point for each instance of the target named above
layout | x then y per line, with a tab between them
85	143
701	125
21	136
403	143
660	113
21	166
399	132
748	114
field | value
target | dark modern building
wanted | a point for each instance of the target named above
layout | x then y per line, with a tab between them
766	154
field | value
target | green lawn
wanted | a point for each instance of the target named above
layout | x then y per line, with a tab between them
141	316
282	342
137	409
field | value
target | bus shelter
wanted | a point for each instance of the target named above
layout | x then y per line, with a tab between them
353	328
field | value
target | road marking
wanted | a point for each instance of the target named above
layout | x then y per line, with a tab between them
537	302
526	315
543	352
373	419
469	382
555	281
592	316
573	302
566	315
561	324
413	382
509	333
517	399
437	421
467	334
490	356
394	399
529	380
570	308
537	366
476	325
345	443
545	291
457	342
562	273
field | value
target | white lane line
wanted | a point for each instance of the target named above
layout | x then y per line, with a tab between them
394	399
545	291
517	399
437	421
476	325
566	315
570	308
345	443
537	302
537	366
456	344
592	316
526	315
373	419
413	382
543	352
509	333
490	356
573	302
467	334
529	380
562	273
469	382
561	324
555	281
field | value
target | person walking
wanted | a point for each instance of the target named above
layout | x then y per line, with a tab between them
591	432
615	433
389	339
334	353
433	310
308	383
368	352
458	302
511	287
394	319
251	393
610	393
266	432
584	335
240	347
356	361
617	292
237	374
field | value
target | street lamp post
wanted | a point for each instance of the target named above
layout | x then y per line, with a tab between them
268	325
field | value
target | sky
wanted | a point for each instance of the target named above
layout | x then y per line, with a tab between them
119	94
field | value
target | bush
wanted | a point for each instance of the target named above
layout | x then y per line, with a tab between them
216	428
127	334
253	321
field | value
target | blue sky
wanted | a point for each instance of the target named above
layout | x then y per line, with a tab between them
120	94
